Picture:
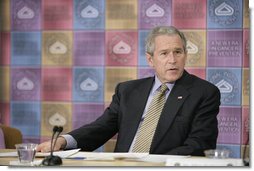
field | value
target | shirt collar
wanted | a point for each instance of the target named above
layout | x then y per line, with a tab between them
157	84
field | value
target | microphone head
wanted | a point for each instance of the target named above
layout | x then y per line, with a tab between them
55	128
60	129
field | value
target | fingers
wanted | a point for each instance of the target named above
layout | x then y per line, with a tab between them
44	147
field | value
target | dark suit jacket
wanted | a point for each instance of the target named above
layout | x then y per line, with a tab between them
187	126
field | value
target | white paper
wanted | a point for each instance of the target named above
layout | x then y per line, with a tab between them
107	156
160	158
62	154
202	161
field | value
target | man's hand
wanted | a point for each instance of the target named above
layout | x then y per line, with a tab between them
46	146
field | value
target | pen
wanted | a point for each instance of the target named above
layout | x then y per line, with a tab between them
78	158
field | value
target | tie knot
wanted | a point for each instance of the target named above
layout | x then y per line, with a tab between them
163	88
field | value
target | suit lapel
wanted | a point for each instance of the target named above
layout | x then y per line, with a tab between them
174	102
135	110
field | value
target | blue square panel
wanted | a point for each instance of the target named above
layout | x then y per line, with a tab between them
26	48
235	150
26	117
224	14
89	14
142	51
88	84
229	81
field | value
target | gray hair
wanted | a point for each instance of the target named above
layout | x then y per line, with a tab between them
162	30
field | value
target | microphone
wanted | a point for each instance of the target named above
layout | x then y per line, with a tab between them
246	160
52	160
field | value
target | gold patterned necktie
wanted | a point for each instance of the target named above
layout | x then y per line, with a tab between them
146	131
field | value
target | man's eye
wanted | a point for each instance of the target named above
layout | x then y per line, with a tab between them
178	52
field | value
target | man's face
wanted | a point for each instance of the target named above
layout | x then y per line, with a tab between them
169	58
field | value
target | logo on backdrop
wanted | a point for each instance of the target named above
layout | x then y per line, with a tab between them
26	15
57	119
88	13
57	48
87	84
56	114
194	47
121	49
227	83
224	13
154	13
26	85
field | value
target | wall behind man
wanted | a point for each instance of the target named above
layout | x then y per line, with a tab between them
60	60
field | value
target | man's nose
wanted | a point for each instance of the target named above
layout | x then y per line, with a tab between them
171	58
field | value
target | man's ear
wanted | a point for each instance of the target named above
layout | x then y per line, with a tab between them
149	59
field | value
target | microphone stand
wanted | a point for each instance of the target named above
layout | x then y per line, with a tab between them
52	160
246	160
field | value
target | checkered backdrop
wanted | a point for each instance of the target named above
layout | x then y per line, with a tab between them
61	59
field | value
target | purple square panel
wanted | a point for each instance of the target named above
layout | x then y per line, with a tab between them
189	13
26	14
224	48
85	114
26	84
89	48
229	124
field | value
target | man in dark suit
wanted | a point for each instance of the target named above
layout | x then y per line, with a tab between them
188	122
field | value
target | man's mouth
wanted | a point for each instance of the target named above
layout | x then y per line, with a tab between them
172	69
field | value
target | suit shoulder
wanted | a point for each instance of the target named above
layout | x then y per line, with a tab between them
202	83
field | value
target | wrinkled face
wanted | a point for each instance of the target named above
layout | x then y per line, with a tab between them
169	58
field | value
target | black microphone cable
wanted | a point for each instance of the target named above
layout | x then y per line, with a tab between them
246	160
55	129
58	132
52	160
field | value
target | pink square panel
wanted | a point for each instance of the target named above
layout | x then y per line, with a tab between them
57	14
5	113
199	72
245	125
246	48
56	84
189	13
121	48
4	48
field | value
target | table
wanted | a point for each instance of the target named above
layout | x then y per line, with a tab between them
5	161
148	161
